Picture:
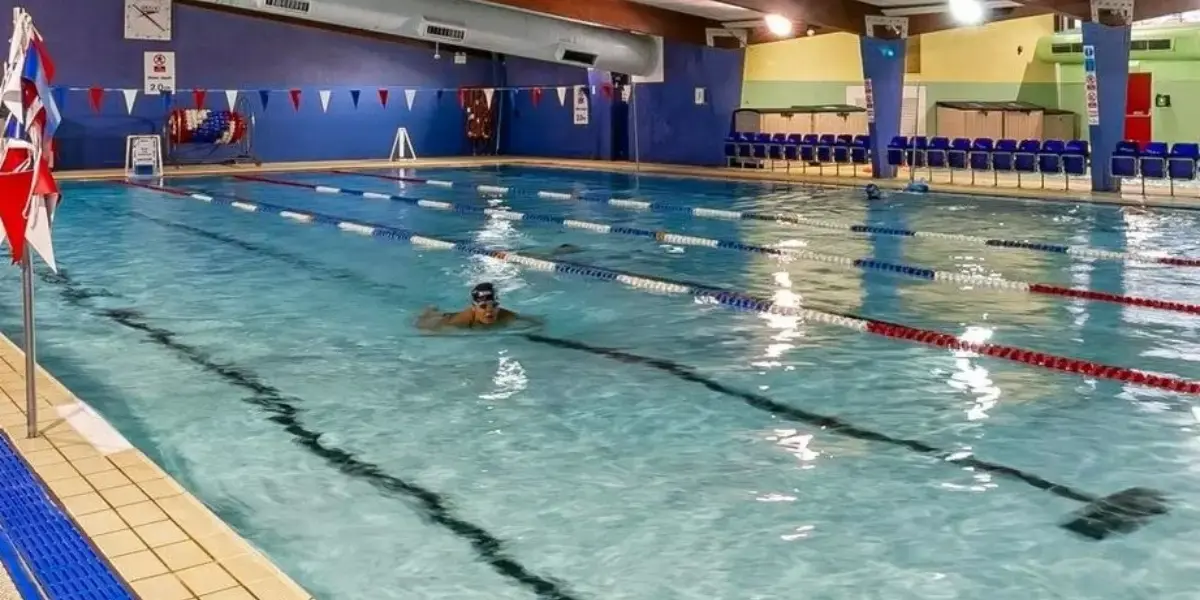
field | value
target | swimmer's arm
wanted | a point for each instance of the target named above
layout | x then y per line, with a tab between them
433	319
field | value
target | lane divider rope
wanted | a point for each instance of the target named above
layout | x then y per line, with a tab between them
865	264
862	228
730	299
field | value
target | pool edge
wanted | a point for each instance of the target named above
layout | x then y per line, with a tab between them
155	536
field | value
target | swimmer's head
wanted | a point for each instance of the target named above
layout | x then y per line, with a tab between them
873	192
485	303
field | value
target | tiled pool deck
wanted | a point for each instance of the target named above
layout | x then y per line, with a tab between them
162	542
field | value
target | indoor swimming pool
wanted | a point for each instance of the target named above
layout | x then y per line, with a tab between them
642	445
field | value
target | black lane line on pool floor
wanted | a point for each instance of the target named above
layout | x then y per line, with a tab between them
1100	518
283	411
1122	512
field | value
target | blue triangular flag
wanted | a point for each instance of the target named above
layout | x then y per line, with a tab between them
439	95
167	99
60	97
354	94
265	97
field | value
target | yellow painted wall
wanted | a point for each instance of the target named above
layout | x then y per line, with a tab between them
832	57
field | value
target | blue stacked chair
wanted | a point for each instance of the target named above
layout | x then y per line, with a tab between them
775	149
860	152
825	148
895	151
731	148
841	149
1181	164
914	155
746	147
1153	162
762	142
1004	156
1125	159
980	157
937	156
791	149
1050	158
1025	160
808	149
956	157
1075	159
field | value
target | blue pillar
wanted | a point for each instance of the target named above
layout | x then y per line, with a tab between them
883	65
1110	62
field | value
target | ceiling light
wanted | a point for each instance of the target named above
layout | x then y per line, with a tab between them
778	25
966	12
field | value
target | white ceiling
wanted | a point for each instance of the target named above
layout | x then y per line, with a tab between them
709	9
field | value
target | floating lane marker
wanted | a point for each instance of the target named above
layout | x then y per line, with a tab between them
746	302
865	264
710	213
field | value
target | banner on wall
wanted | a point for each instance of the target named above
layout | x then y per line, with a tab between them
581	105
160	73
1089	85
869	92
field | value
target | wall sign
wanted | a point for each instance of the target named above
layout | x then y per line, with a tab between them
581	105
1089	85
160	73
869	92
699	95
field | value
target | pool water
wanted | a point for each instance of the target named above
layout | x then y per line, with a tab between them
273	368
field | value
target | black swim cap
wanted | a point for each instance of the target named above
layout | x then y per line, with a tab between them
484	292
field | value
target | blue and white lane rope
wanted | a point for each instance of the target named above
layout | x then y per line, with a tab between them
730	299
865	264
710	213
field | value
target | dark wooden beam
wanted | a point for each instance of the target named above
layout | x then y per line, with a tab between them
621	14
930	23
842	15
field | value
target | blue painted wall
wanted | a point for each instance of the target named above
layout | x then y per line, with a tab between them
218	51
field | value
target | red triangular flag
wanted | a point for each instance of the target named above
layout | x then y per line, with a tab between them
198	95
607	88
462	97
383	97
295	94
14	196
96	97
537	95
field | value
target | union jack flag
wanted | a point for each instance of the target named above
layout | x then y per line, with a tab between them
28	193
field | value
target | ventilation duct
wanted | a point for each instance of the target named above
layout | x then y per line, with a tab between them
478	26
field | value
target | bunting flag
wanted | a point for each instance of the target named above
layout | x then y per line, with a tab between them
325	96
231	97
295	95
96	98
130	99
439	96
168	98
383	97
264	96
536	94
487	95
354	94
28	193
198	96
562	95
409	97
607	88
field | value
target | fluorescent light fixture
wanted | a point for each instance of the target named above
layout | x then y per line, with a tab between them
966	12
778	25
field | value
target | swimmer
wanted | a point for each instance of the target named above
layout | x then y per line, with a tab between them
919	186
484	312
873	192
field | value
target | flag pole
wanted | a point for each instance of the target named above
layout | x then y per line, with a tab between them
31	430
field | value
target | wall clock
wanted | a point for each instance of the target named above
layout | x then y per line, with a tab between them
148	20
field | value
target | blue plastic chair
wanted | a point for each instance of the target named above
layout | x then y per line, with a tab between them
791	149
1125	159
914	154
1154	161
980	157
937	155
746	147
808	149
860	152
775	149
762	143
956	157
1050	158
1004	156
1181	164
731	148
1025	160
895	151
825	148
1075	157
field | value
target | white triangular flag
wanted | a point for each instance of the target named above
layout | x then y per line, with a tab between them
11	94
487	94
231	98
593	90
130	98
37	231
325	95
409	96
562	95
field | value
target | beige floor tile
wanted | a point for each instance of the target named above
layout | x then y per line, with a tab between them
25	444
223	545
12	419
107	479
162	587
119	543
55	471
78	451
183	555
139	565
92	464
126	458
206	579
84	504
276	589
98	523
72	486
141	513
237	593
44	457
248	567
160	488
124	495
162	533
141	473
